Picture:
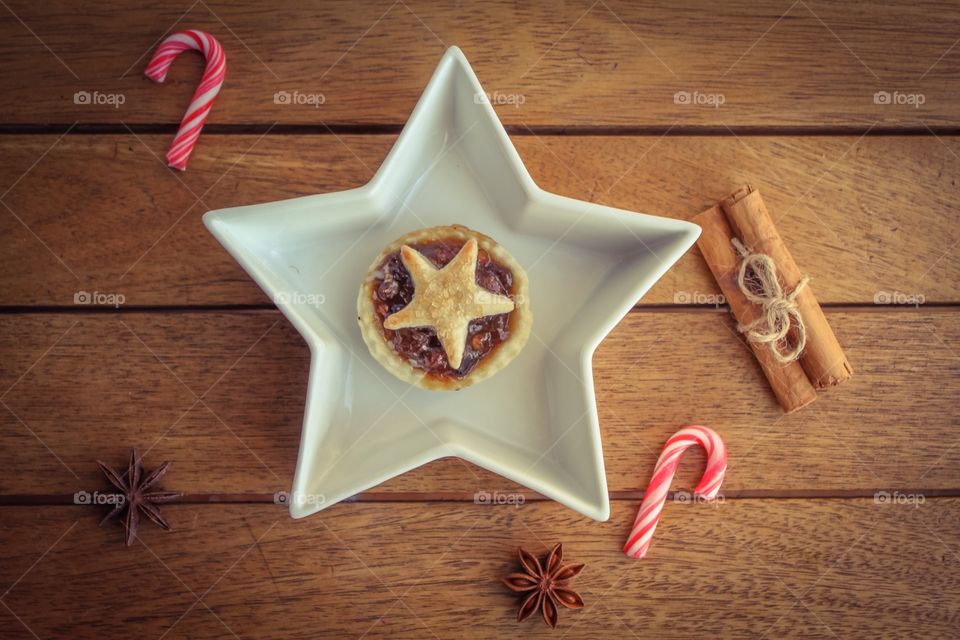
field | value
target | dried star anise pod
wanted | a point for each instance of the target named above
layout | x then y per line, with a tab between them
136	497
548	584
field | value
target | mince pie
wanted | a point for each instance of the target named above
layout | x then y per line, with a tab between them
444	307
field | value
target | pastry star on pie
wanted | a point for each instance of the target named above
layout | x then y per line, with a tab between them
446	299
444	308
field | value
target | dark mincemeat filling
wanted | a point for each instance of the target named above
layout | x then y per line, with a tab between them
393	290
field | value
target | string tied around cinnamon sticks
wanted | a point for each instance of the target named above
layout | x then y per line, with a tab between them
758	280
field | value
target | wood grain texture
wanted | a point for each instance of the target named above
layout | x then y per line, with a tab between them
803	568
220	395
573	63
864	216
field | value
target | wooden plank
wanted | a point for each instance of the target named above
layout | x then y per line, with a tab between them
85	387
742	568
863	216
612	63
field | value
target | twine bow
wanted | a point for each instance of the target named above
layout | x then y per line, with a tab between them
779	309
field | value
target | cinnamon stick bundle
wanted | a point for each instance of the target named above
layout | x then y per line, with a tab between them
789	382
822	363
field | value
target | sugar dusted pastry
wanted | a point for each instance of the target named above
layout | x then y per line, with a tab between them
444	307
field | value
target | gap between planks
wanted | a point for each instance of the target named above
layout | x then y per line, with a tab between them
35	500
333	128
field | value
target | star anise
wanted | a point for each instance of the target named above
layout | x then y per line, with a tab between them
135	497
548	585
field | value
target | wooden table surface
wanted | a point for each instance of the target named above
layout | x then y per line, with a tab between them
840	520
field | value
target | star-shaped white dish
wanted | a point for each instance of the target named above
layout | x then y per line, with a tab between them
536	421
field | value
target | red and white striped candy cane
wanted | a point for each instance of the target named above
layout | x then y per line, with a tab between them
203	97
656	494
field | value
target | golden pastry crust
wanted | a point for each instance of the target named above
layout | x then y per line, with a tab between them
521	319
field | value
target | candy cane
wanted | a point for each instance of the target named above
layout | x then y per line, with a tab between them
656	494
202	100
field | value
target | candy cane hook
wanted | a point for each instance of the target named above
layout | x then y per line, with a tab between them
643	527
203	97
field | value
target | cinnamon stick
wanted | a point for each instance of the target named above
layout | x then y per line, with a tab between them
789	382
823	358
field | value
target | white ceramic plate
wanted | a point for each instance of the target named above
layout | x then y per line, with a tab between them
535	422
